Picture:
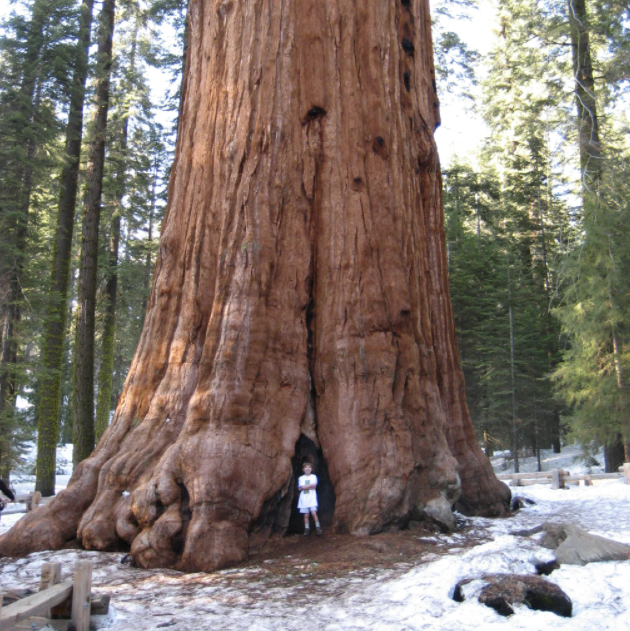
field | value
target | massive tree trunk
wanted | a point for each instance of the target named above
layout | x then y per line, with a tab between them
300	297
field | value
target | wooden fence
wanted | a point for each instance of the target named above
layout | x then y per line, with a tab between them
29	500
558	478
57	604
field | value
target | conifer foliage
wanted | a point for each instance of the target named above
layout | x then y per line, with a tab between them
538	231
44	73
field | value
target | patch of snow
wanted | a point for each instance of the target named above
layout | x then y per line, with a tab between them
23	481
420	598
571	459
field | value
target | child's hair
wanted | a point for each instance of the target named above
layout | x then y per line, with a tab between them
307	464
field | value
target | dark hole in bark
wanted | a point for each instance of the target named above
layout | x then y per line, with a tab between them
378	146
408	46
179	539
406	3
306	451
315	112
159	507
407	80
357	180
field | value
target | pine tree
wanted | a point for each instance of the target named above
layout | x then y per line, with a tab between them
52	353
593	377
503	278
34	83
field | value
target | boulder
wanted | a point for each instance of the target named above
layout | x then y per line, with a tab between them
439	511
574	546
502	591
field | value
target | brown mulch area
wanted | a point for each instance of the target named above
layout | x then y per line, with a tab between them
334	555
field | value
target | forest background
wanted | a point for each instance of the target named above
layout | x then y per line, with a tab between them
535	157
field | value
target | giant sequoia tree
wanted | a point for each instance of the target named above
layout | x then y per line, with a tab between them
300	300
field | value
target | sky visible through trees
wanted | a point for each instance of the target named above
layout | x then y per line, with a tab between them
534	146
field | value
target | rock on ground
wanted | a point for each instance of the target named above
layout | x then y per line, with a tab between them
501	591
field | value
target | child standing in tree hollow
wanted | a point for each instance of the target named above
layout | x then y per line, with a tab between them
307	503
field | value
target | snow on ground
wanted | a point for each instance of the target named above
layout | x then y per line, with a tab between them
23	481
254	598
571	459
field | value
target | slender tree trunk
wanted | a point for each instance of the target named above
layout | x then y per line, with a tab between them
591	159
614	454
105	376
52	352
83	380
300	297
487	444
585	101
513	378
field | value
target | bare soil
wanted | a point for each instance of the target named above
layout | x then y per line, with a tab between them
335	556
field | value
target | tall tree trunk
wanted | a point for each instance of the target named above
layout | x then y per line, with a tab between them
300	294
83	378
52	352
591	160
512	375
585	101
105	375
614	454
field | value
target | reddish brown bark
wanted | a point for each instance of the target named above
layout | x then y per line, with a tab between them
301	288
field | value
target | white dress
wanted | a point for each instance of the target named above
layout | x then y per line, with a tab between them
308	498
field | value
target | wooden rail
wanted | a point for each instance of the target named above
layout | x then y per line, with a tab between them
559	477
31	500
72	598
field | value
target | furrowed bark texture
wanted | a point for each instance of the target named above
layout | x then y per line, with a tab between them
300	289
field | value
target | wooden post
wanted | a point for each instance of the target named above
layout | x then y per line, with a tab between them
555	479
587	480
35	500
81	595
626	472
51	575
